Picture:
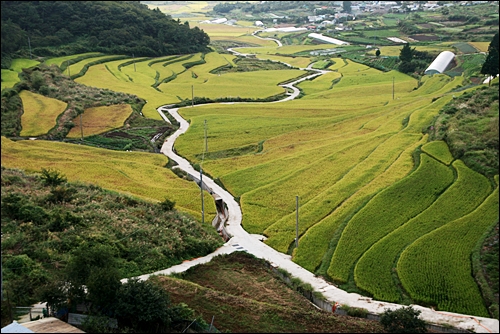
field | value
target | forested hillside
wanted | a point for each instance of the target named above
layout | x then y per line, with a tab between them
56	28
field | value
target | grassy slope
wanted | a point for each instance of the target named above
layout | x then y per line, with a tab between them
244	296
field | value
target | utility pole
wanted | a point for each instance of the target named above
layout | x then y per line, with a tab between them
192	95
206	142
393	88
81	126
202	203
297	222
29	45
133	59
67	63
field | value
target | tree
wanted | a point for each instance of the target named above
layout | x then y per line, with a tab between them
490	65
347	6
377	53
94	267
143	306
406	53
403	320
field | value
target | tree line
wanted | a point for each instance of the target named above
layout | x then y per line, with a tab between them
58	28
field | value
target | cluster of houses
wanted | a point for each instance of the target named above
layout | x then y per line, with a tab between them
318	21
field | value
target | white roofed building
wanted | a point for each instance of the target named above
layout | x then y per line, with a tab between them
441	63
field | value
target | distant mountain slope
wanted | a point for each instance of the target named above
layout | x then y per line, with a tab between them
56	28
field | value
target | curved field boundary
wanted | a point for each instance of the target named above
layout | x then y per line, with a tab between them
100	119
315	209
439	150
306	181
39	113
373	272
436	269
388	210
60	61
319	242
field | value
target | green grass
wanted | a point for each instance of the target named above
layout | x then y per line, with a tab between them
20	63
59	61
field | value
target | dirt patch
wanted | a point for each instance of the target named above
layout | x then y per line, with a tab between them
424	37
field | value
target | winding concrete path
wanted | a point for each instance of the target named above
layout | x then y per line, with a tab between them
243	241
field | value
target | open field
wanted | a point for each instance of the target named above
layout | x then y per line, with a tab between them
40	113
137	174
100	119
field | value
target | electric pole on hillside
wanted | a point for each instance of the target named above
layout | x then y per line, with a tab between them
192	95
29	45
206	142
297	222
202	203
81	126
67	64
393	88
133	59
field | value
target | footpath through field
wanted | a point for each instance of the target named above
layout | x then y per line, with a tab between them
241	240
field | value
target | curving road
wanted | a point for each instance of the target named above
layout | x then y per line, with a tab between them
241	240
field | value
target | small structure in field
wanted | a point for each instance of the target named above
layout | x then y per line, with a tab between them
440	64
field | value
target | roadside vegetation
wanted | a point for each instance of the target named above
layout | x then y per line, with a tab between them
265	304
47	220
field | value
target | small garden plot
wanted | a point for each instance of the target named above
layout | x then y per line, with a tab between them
99	120
9	78
40	113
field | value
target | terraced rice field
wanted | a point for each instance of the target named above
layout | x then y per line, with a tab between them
372	189
39	113
346	159
134	173
99	120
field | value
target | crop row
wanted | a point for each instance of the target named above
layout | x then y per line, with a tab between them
436	269
388	210
373	271
317	244
378	159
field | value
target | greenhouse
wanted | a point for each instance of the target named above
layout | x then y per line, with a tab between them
440	64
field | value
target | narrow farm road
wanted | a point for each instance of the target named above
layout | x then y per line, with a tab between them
240	240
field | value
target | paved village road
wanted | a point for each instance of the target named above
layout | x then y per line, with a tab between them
243	241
